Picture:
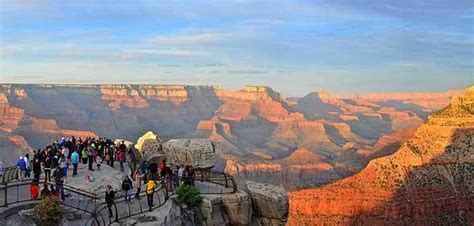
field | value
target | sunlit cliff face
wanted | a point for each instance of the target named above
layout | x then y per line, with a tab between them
256	129
429	180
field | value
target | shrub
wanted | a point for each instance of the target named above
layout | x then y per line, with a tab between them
48	212
189	195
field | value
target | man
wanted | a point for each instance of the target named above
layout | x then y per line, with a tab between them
127	187
59	181
131	160
47	168
150	191
36	168
91	156
75	162
21	166
109	199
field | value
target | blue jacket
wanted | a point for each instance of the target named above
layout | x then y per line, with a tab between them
74	158
21	164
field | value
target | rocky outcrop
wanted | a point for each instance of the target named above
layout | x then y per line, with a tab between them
269	204
200	153
427	181
149	146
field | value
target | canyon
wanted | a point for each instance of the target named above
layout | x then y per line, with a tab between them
259	134
429	180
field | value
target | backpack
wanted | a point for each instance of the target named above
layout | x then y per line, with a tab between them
126	185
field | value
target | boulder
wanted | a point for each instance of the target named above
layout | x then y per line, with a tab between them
268	201
149	146
227	209
200	153
213	212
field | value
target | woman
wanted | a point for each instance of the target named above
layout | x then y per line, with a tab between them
109	199
138	183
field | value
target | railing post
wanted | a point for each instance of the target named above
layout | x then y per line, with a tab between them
225	179
5	201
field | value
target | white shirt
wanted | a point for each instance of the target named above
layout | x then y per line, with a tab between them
180	172
65	152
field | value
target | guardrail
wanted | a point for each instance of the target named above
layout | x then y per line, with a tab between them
218	178
17	191
122	209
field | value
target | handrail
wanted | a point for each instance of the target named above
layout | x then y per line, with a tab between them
98	215
98	210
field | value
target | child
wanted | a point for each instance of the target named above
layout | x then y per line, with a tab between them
34	190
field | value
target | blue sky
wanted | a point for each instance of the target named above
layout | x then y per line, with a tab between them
293	46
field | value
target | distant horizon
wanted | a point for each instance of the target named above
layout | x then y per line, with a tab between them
292	46
240	88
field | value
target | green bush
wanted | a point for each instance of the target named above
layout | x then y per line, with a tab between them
189	195
48	212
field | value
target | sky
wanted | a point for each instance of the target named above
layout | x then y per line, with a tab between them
295	47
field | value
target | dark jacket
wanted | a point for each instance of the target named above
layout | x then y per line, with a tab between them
109	196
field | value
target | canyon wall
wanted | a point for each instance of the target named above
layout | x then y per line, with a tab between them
258	132
428	181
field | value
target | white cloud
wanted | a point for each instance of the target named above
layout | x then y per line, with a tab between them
127	54
191	39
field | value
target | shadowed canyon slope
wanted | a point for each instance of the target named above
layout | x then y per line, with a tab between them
428	181
261	135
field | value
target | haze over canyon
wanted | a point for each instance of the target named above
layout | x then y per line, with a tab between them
260	134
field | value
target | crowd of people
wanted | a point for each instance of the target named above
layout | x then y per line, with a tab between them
55	160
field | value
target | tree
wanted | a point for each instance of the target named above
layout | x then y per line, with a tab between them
48	212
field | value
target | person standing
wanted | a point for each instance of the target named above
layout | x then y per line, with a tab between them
21	166
36	168
150	191
74	162
163	168
91	157
131	160
127	187
27	163
63	167
47	169
180	174
109	199
138	183
121	158
85	155
59	182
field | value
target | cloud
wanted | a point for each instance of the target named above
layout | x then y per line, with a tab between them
128	54
190	39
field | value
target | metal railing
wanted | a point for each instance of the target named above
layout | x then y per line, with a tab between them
223	179
122	209
17	191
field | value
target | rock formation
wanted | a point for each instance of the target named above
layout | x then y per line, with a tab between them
429	180
150	147
255	125
200	153
269	204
